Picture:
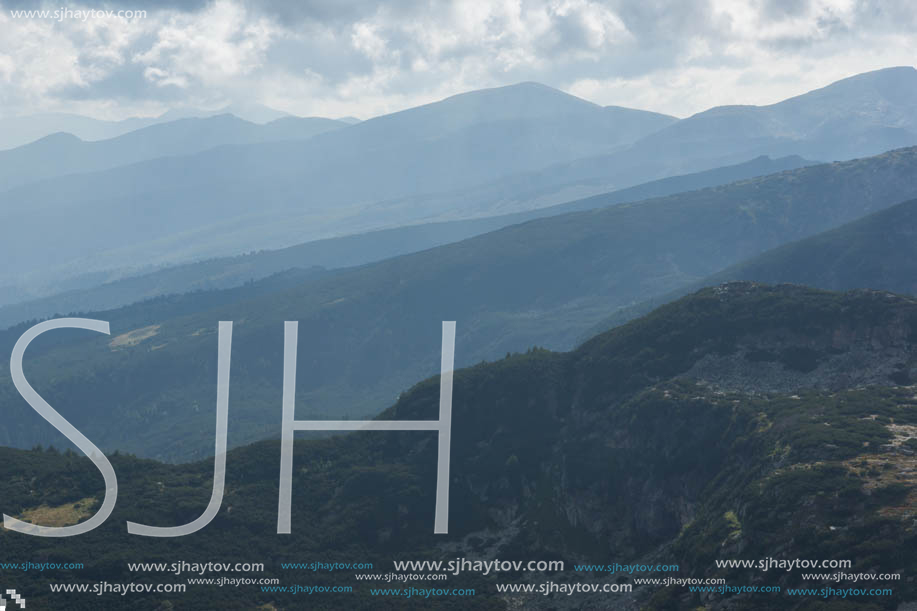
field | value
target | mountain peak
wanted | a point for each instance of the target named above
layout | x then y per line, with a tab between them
531	85
55	139
882	73
897	85
528	93
252	113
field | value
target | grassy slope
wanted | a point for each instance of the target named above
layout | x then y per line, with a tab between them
877	252
604	452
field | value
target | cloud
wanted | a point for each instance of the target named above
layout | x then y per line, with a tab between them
211	48
340	57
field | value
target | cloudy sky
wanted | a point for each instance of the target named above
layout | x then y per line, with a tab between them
354	57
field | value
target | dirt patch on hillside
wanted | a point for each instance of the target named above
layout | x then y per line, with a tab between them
62	515
132	338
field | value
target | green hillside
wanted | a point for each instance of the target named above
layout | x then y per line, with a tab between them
634	448
876	252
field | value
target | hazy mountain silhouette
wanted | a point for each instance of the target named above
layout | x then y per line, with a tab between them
471	155
20	130
17	131
371	331
876	252
61	154
243	197
344	251
858	116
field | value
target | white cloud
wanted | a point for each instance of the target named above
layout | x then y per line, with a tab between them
362	58
211	48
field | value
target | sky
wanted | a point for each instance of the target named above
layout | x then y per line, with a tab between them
339	58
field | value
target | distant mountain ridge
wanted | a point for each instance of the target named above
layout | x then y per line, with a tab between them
253	113
522	101
859	116
201	205
877	252
61	154
21	130
368	332
354	250
477	154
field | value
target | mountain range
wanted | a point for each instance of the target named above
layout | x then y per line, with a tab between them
858	116
174	209
347	251
21	130
478	154
369	332
61	154
876	252
679	343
